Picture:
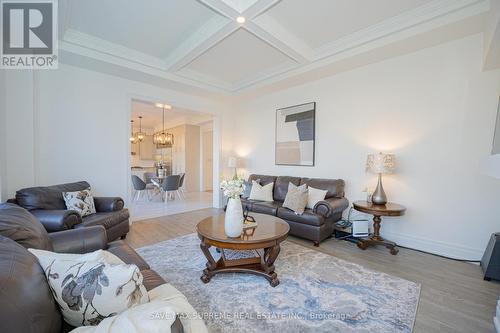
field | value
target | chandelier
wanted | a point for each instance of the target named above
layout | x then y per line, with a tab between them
163	139
139	136
132	136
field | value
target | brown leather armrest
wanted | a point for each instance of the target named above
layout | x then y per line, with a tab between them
82	240
108	204
57	220
328	207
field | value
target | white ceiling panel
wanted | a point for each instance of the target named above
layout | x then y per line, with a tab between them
238	57
319	22
201	44
153	27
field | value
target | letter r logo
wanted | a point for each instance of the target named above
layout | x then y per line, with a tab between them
27	27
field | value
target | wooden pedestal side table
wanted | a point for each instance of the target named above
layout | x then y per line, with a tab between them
262	243
389	209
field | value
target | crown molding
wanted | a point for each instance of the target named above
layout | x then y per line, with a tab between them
422	14
433	15
135	66
100	45
367	47
205	79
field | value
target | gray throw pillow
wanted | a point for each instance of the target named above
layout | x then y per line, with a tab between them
247	188
296	198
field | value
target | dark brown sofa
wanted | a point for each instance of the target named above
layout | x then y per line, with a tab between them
26	302
46	203
314	224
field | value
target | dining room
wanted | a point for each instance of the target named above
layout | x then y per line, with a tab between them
171	160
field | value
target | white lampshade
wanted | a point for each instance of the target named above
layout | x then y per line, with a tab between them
231	162
381	163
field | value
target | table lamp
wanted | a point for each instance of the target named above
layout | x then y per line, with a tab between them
380	163
232	163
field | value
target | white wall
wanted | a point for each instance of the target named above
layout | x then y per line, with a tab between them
434	109
17	132
73	124
3	192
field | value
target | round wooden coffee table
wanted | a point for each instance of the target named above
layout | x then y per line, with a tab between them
255	251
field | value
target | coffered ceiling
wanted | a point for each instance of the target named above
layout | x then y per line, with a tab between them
199	43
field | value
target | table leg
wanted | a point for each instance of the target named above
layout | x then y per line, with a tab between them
376	239
211	264
270	255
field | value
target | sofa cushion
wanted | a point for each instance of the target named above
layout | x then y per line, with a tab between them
264	180
281	186
296	198
89	287
25	298
335	187
246	203
308	217
107	220
247	188
80	201
47	197
269	208
21	226
261	192
315	195
127	254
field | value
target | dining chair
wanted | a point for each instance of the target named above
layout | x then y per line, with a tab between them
170	186
140	187
148	176
181	185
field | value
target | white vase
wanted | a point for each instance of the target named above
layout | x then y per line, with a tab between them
233	221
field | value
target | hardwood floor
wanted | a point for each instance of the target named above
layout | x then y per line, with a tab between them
454	296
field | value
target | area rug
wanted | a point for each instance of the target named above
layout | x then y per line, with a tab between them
317	292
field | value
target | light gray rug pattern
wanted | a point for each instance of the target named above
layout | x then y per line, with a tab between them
317	293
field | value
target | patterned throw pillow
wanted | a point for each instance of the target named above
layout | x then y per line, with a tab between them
315	196
247	188
80	201
261	193
91	287
296	198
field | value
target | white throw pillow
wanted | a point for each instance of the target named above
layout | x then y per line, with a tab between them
80	201
262	193
315	196
89	291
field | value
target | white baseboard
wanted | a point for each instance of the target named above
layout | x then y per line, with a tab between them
435	246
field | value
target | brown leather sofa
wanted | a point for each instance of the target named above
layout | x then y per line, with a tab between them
26	302
314	224
46	203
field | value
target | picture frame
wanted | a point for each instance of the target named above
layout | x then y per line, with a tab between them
295	135
496	134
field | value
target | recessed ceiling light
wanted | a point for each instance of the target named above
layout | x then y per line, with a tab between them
240	19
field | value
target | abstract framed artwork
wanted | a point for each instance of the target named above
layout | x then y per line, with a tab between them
496	136
295	135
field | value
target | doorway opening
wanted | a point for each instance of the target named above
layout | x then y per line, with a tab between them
171	160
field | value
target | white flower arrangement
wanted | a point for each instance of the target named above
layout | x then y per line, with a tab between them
232	188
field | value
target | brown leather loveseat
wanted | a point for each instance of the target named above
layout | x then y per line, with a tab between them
46	203
26	302
314	224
